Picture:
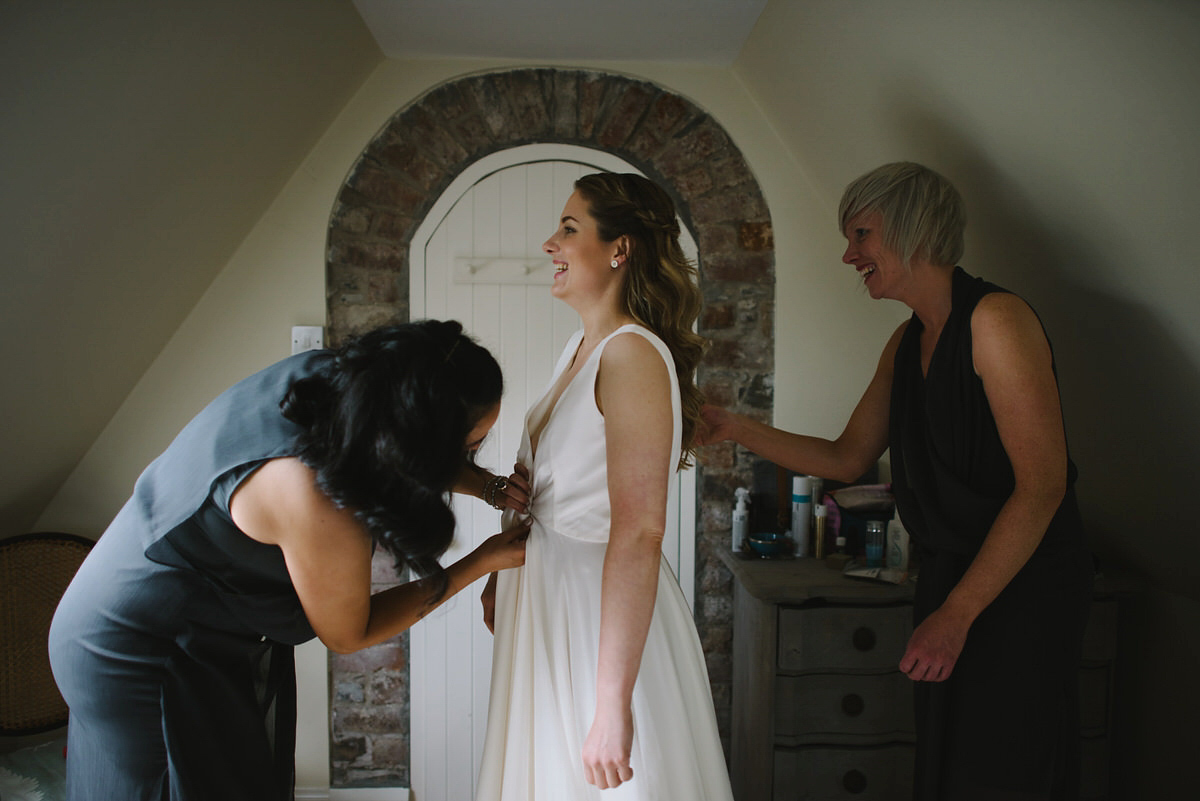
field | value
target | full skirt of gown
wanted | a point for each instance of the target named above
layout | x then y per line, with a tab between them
547	627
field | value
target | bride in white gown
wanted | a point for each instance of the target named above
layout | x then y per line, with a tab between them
598	677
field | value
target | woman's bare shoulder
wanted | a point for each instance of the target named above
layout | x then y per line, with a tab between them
281	498
1005	333
1002	310
630	347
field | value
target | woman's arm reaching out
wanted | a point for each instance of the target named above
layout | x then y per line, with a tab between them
859	446
328	556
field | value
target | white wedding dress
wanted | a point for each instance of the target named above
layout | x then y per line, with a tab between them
547	629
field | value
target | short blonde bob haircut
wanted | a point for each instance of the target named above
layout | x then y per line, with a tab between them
923	214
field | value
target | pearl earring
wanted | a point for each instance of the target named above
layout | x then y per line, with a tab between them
614	264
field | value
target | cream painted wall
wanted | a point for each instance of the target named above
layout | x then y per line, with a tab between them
1071	129
242	323
276	280
1068	127
141	142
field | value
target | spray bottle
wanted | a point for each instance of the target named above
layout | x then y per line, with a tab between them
741	518
820	515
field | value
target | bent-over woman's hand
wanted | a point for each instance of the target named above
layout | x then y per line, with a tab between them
506	549
607	748
513	492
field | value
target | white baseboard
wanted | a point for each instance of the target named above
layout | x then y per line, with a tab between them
312	794
353	794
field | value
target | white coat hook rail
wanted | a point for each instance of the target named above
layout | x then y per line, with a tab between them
502	270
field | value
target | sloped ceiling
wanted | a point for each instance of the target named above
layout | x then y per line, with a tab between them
694	31
141	142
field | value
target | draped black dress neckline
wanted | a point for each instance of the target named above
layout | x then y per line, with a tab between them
1005	724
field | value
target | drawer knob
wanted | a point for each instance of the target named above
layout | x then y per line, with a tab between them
854	782
853	705
864	638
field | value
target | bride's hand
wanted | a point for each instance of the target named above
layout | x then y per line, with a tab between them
488	599
607	748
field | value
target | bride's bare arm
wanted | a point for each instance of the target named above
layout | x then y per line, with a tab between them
634	393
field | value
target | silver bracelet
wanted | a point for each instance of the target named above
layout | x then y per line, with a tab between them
491	487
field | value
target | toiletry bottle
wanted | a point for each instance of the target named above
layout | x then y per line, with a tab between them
741	518
816	491
897	544
820	515
874	543
801	513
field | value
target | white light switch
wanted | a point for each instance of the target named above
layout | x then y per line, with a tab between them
307	337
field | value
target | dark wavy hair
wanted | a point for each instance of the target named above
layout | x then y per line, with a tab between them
660	286
385	428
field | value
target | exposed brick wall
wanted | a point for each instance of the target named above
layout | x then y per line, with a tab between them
398	177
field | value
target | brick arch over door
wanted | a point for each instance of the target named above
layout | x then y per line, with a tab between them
395	181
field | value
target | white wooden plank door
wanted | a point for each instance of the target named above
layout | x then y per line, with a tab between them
477	258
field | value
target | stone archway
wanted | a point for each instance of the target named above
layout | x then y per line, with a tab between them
383	200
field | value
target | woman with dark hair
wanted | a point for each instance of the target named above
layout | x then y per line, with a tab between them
966	398
598	677
252	533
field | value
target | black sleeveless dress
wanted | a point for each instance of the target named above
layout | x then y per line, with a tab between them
173	644
1005	724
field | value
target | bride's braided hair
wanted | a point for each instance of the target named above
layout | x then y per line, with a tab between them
660	286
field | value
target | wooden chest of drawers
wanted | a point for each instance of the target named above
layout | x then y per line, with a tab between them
820	710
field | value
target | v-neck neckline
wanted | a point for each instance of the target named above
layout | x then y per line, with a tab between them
937	345
932	351
548	415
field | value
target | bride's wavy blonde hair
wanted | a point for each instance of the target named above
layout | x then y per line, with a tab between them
660	285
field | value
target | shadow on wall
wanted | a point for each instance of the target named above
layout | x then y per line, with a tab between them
1128	387
1134	394
1129	393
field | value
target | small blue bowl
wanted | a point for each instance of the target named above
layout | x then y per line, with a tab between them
768	544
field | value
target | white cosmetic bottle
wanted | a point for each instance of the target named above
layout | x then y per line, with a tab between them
801	513
741	518
897	544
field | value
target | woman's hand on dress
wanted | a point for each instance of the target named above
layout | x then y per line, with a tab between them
487	599
934	646
607	748
516	496
506	549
